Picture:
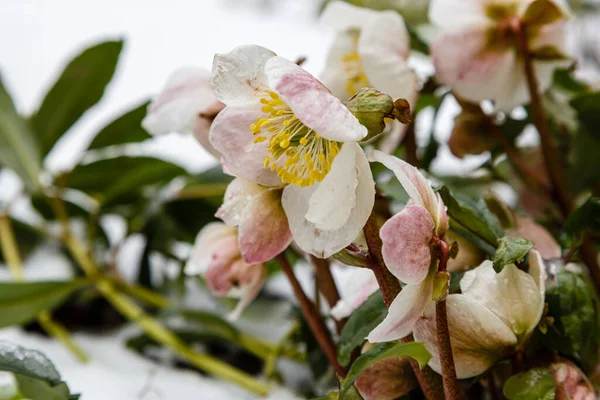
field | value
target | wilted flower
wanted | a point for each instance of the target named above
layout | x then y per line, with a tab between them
571	382
187	104
494	314
370	49
216	255
256	210
387	379
407	252
477	53
282	127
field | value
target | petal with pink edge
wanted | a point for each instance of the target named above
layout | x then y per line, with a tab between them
405	310
406	238
312	102
230	134
324	243
361	285
264	231
205	245
238	77
479	338
251	279
237	196
186	94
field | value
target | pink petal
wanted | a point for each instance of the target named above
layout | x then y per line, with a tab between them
250	280
312	102
406	238
405	310
230	134
210	240
202	127
237	196
264	231
238	77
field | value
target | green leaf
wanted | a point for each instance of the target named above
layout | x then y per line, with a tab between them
362	321
350	394
31	363
542	12
41	203
80	86
211	322
535	384
511	250
125	129
564	80
472	217
584	218
587	106
114	180
583	173
548	53
573	305
27	236
18	148
415	350
35	389
22	302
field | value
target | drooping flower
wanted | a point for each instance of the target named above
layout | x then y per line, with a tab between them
370	49
478	55
406	250
494	314
387	379
217	257
187	104
263	230
282	127
360	285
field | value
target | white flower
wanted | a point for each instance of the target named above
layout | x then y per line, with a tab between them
494	314
282	127
477	53
187	104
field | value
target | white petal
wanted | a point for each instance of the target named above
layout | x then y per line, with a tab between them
342	16
325	243
452	14
512	295
361	284
537	270
238	77
239	193
186	94
334	198
334	74
312	102
205	244
479	338
405	310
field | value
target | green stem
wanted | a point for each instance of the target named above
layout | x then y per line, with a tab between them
58	331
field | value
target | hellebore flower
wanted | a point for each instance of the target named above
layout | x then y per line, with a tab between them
407	250
361	285
387	379
494	314
282	127
217	257
187	104
370	49
477	53
263	230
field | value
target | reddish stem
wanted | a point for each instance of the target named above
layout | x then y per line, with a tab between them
326	286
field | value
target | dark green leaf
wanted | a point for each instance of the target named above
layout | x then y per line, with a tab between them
27	236
31	363
415	350
548	53
119	179
212	322
535	384
511	250
125	129
585	218
362	321
22	302
80	86
584	173
19	150
35	389
350	394
587	106
472	216
565	81
190	215
41	203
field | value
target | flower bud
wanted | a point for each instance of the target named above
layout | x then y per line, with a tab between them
388	379
370	107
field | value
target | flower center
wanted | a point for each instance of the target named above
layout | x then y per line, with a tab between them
300	155
356	78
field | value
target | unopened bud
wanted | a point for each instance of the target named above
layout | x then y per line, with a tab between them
402	111
441	285
370	107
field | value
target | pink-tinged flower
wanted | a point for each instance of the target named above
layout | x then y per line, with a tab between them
263	230
282	127
544	242
407	238
494	314
388	379
370	49
571	382
217	257
187	104
477	53
361	284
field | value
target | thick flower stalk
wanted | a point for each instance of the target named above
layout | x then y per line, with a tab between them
408	243
493	316
217	257
477	51
282	128
186	104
